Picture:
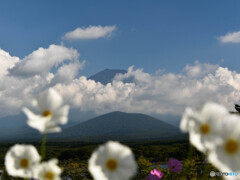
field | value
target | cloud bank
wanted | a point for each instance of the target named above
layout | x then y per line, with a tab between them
165	93
91	32
233	37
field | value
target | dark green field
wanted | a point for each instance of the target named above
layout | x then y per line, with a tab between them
73	157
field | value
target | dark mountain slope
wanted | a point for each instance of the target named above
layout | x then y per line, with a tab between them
107	75
121	126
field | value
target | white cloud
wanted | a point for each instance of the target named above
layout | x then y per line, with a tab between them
233	37
91	32
41	61
199	70
164	93
20	80
7	61
155	94
66	73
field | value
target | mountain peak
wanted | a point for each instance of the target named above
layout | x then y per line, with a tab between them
119	125
120	113
107	75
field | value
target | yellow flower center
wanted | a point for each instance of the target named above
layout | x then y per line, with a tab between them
24	163
205	128
231	146
111	164
47	113
49	175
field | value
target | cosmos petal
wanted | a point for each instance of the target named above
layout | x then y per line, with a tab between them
51	113
49	100
18	152
112	150
61	116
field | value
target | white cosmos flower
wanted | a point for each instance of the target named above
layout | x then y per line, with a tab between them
188	116
112	161
226	154
49	170
203	126
50	112
21	161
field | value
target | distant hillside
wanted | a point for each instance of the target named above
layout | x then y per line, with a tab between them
121	126
112	126
12	125
107	75
16	128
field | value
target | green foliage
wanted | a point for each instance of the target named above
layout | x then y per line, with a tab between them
75	170
144	167
190	168
160	152
73	158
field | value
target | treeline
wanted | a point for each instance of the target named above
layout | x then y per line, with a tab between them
153	151
74	157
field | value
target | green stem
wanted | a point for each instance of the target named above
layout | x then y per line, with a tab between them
43	146
195	161
3	174
191	152
192	155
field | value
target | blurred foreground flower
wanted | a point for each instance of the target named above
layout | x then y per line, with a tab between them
112	161
50	112
204	125
226	155
21	161
174	165
49	170
155	175
188	115
215	132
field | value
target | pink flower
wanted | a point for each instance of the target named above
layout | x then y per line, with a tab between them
174	165
155	175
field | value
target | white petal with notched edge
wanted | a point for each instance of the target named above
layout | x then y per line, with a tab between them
50	114
112	161
21	161
49	170
226	154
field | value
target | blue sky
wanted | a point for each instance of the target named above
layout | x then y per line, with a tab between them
149	34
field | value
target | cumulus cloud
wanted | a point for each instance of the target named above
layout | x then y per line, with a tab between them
168	93
135	91
233	37
91	32
42	60
7	62
66	73
20	80
199	70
